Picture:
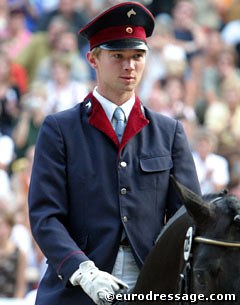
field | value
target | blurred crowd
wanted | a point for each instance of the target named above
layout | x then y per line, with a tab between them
192	74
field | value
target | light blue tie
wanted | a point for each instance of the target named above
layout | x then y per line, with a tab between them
119	115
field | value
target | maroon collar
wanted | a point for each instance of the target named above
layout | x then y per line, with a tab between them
99	120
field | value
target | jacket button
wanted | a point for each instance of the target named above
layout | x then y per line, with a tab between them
124	219
60	277
123	164
123	191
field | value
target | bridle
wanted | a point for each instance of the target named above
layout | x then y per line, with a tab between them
185	283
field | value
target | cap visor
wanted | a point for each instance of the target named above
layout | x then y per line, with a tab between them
125	44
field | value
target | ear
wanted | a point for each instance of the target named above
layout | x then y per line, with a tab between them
91	59
237	219
194	203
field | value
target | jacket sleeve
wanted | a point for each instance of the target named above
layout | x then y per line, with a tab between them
49	202
183	170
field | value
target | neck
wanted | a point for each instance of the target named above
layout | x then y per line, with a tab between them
116	98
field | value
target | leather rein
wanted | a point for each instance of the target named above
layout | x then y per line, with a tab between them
216	242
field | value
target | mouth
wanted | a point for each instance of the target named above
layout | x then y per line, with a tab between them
128	78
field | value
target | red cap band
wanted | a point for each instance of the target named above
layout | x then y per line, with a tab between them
117	33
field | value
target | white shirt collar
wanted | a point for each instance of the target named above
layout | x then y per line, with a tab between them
109	107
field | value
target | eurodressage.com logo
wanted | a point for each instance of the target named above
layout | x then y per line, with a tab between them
192	298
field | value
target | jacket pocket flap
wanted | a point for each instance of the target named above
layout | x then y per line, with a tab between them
157	164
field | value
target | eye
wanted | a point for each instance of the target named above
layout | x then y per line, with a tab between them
199	277
138	56
117	55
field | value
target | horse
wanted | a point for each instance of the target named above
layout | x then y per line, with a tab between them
196	257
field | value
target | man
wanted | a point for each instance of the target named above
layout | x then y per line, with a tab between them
98	196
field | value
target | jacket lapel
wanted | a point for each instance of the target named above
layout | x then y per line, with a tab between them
99	120
135	124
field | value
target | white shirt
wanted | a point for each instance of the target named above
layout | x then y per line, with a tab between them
74	92
213	170
5	188
109	107
6	149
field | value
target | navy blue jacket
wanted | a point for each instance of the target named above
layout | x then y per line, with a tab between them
85	188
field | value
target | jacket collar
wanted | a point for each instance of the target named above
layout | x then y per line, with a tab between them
98	119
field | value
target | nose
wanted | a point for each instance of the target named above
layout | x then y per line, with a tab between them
128	64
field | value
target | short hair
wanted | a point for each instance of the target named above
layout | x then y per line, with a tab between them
96	51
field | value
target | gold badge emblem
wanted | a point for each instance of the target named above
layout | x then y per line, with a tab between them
131	12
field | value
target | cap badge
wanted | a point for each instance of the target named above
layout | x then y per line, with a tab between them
129	30
131	12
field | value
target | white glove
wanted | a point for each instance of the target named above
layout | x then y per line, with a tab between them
97	284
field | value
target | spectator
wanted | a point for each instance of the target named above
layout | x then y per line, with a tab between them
187	32
6	157
42	45
223	117
66	9
156	68
158	100
211	52
174	86
219	65
233	11
33	9
212	169
231	35
6	151
5	189
30	119
20	176
3	17
9	97
12	261
207	14
17	71
193	39
215	75
161	6
62	92
190	127
92	7
67	46
17	34
22	237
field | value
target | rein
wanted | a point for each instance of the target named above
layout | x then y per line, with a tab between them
216	242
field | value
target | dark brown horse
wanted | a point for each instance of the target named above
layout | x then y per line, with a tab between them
211	268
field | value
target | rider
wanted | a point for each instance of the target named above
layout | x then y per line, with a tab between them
99	194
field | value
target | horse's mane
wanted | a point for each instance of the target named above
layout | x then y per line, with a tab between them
230	203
